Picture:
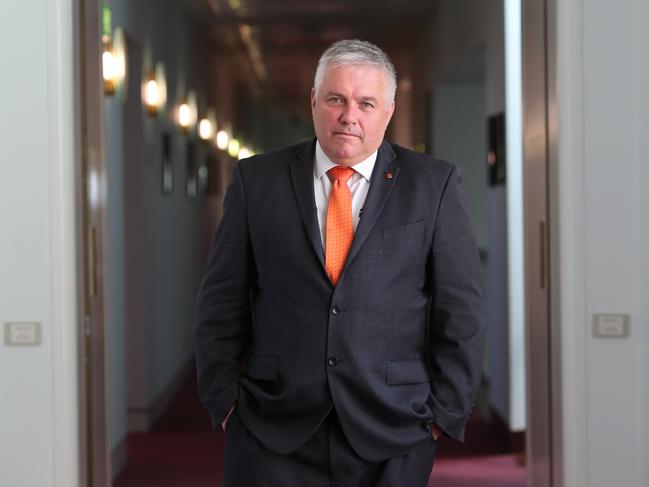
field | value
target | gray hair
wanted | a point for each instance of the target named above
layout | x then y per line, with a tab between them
356	52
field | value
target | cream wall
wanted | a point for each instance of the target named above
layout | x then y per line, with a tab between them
601	212
39	444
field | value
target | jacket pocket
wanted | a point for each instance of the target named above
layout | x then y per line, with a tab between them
403	231
263	368
401	372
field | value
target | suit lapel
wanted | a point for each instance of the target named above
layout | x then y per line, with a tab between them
302	176
384	177
380	188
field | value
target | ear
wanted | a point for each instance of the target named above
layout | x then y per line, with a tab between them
390	111
313	99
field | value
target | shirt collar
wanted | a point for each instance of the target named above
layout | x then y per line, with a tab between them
323	163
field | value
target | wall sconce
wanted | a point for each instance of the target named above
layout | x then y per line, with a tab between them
244	152
205	129
207	126
233	147
108	68
154	91
186	115
222	139
151	96
113	61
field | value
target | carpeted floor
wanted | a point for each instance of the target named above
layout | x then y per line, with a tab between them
482	471
183	451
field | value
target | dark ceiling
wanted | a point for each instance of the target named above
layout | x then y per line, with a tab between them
276	43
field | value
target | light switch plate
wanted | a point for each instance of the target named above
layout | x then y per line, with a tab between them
23	333
610	325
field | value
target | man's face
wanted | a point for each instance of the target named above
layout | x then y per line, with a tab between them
351	112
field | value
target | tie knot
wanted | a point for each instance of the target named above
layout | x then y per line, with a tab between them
341	173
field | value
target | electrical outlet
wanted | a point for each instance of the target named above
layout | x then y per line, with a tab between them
22	333
611	325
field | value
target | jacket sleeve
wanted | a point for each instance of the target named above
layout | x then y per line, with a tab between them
457	313
222	314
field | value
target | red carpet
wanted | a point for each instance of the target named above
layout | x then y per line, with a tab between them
486	471
183	451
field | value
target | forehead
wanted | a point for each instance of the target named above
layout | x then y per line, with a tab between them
359	77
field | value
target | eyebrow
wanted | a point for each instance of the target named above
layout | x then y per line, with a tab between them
362	98
369	98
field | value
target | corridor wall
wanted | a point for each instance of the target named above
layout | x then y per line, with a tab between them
154	247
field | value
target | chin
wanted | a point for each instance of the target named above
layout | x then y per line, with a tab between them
345	156
345	150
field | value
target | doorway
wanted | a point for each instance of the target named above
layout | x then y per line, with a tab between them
479	90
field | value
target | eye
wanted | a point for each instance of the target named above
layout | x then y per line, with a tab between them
335	100
367	105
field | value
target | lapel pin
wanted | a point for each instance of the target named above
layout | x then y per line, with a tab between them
388	175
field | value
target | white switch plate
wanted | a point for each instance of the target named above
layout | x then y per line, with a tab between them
611	325
23	333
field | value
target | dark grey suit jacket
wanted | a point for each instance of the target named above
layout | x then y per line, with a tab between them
396	346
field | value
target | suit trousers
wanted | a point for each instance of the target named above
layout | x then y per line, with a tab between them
325	460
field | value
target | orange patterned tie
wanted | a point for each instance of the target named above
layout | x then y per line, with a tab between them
340	227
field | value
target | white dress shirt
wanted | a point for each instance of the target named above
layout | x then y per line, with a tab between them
359	185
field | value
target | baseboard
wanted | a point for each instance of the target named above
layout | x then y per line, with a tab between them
142	419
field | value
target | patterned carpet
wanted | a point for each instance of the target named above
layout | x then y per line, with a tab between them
182	451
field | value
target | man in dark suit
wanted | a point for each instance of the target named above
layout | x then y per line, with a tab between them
340	322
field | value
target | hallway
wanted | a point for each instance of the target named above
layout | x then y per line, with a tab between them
181	450
109	197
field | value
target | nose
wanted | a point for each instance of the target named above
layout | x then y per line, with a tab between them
349	116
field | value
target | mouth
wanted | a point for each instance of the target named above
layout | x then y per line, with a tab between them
347	135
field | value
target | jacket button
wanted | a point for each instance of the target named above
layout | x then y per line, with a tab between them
332	361
335	311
